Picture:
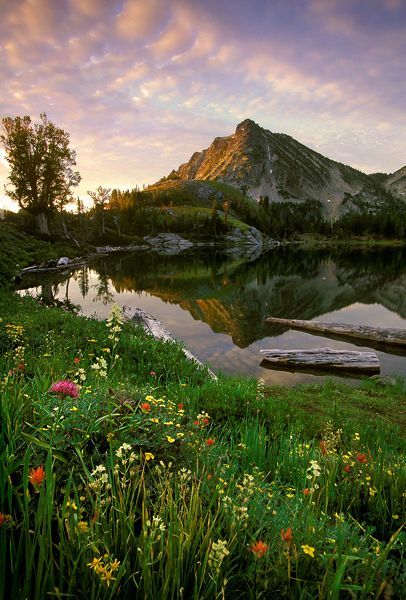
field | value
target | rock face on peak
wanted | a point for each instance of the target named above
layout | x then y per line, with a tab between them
276	166
396	184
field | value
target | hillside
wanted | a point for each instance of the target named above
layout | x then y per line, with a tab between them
277	166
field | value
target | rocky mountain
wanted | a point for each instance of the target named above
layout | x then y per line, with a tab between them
275	165
396	184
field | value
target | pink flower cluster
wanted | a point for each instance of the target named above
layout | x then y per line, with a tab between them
65	388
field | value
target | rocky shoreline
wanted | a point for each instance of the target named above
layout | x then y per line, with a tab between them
249	244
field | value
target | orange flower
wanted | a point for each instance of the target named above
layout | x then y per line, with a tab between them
362	458
323	447
36	476
347	468
259	549
287	535
76	360
306	491
2	519
145	407
180	406
210	442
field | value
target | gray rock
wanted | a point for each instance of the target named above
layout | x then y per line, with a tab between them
383	380
168	243
63	261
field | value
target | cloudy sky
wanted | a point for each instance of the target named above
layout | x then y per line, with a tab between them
142	84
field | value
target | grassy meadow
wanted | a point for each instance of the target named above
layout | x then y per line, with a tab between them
126	472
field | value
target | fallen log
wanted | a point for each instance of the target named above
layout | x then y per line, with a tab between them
325	359
155	328
388	337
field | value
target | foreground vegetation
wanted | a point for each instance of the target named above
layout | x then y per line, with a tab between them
127	472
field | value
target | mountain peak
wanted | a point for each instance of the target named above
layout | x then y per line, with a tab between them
278	167
247	125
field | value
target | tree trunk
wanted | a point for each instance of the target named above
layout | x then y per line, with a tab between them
42	223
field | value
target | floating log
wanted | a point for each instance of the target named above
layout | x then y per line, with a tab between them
324	359
388	337
156	328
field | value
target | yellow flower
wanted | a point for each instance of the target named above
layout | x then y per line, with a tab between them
96	563
309	550
149	456
74	408
170	439
149	398
114	565
168	423
395	517
154	420
71	505
107	577
183	385
109	436
83	526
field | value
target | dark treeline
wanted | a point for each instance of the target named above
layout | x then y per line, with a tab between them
134	213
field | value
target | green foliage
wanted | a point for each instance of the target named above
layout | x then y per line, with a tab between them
157	482
41	162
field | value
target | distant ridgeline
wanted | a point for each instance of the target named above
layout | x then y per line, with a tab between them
275	183
251	178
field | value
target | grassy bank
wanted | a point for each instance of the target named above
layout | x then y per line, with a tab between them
138	476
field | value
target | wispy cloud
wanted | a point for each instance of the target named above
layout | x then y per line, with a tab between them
141	85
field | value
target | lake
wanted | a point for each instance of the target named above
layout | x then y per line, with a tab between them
217	304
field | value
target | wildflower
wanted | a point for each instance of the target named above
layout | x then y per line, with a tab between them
96	564
83	527
347	468
180	406
107	577
309	550
259	549
145	407
218	552
36	476
323	447
287	535
306	491
76	360
109	436
210	442
170	439
114	565
362	458
149	456
65	388
5	519
152	373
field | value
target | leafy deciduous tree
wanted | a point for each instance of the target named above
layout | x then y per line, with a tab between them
41	162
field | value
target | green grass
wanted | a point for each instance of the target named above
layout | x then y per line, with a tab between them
19	249
158	482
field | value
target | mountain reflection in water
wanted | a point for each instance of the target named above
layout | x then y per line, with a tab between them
217	305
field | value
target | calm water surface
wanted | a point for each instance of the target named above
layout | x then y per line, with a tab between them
217	305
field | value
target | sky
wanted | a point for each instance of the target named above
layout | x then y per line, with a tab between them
142	84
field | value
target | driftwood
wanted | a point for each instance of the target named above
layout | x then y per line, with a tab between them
378	336
324	359
158	331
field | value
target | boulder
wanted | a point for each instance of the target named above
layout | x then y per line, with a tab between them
63	261
168	243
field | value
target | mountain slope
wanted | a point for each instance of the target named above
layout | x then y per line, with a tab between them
277	166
